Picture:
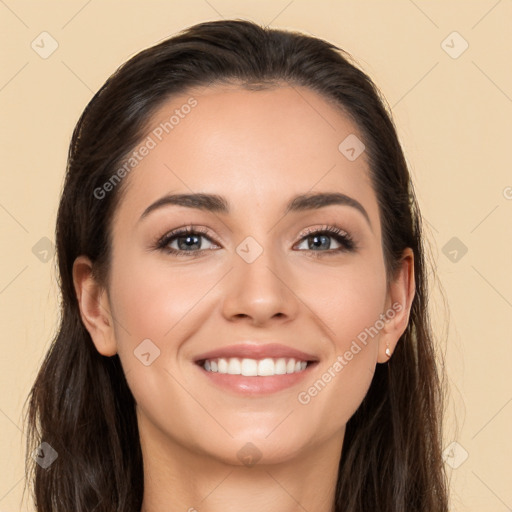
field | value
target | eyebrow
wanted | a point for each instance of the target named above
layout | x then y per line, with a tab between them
218	204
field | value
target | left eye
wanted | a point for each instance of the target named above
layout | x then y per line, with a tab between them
322	240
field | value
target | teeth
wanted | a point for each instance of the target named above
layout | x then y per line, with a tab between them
222	366
254	367
266	367
234	366
280	366
249	367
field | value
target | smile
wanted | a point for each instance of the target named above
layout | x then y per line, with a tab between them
254	367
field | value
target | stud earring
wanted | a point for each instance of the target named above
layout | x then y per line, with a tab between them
388	352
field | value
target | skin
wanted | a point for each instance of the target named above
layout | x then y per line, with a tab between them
257	149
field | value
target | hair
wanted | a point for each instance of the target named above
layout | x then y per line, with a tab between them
80	403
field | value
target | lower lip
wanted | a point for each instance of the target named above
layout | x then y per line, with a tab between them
258	385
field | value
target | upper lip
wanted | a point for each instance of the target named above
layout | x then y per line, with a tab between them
256	351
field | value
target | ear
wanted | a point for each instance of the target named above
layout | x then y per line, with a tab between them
398	305
94	307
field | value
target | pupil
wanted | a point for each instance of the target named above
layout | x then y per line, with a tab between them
324	241
189	239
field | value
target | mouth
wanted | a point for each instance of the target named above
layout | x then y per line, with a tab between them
255	369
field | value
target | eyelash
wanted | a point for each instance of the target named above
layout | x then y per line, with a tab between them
341	236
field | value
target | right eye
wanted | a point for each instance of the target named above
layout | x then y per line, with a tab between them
186	241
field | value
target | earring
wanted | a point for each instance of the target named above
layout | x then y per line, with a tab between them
388	352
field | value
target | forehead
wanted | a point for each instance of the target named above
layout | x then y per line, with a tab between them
261	146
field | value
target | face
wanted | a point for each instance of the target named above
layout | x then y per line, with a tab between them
266	273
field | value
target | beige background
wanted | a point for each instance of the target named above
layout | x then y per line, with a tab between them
454	117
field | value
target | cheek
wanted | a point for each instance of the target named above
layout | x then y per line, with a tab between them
152	299
348	299
152	302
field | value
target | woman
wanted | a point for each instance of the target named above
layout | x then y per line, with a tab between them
244	313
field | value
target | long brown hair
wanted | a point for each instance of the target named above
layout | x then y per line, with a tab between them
80	403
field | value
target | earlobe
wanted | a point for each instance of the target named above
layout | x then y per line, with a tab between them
398	307
94	307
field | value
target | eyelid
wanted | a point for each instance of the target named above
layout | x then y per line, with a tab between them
331	228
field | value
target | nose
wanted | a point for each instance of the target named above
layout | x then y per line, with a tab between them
259	292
